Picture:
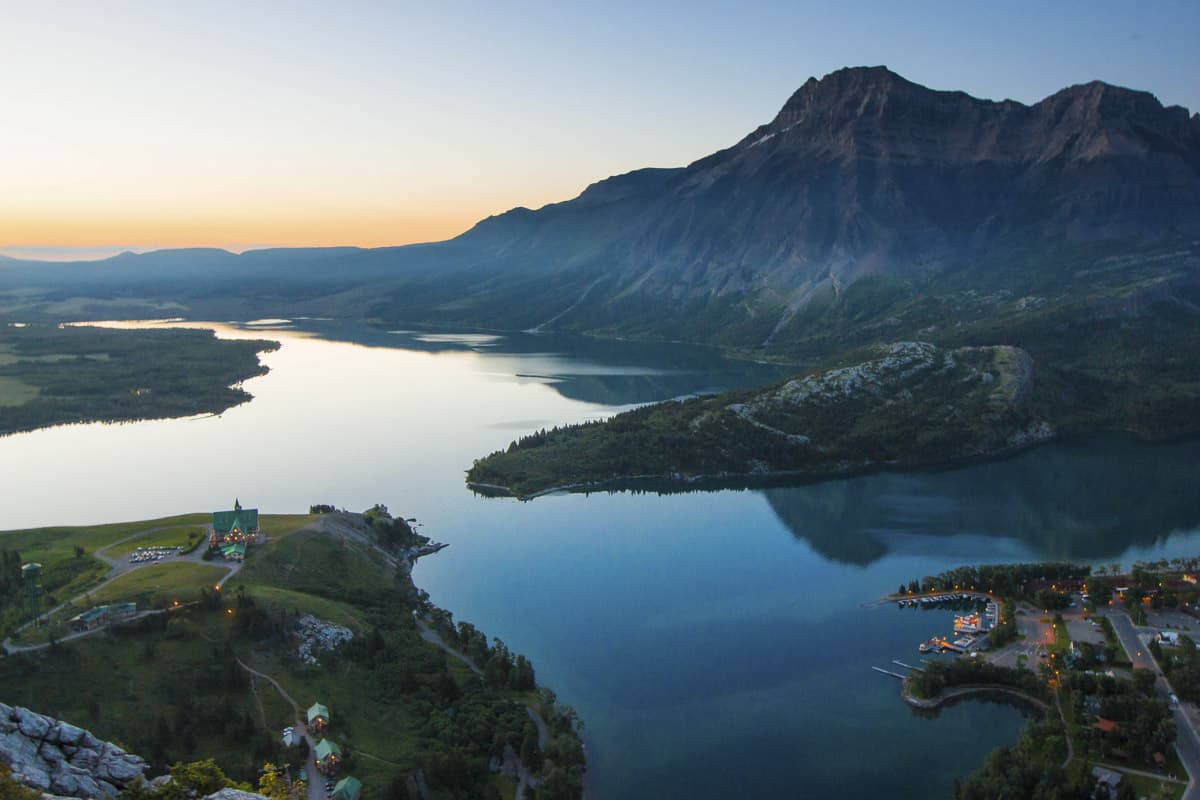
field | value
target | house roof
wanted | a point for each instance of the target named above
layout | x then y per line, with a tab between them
1106	725
91	614
229	549
1108	776
348	788
244	519
317	710
327	748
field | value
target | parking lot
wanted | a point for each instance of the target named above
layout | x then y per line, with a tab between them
1167	619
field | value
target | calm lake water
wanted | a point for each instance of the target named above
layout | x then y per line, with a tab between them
715	643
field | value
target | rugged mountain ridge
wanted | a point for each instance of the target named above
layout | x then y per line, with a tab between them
862	178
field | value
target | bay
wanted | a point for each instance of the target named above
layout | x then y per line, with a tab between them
716	644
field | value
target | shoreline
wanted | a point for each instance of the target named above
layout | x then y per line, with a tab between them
957	692
679	484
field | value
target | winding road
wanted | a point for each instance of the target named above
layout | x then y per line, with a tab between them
118	567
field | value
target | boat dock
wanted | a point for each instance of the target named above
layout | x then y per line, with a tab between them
888	672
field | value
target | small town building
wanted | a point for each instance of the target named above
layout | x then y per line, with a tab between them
1105	725
1108	778
327	756
348	788
318	718
1169	637
234	552
236	526
102	615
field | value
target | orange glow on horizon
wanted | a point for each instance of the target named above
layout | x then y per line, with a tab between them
237	233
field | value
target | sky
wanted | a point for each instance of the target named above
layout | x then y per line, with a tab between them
141	125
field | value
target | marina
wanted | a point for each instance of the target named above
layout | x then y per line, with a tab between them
970	629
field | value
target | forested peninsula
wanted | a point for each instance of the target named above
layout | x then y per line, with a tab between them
55	374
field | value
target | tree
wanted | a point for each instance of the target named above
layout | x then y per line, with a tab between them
199	778
1143	681
274	784
531	756
79	551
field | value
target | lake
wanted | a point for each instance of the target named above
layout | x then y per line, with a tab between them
717	644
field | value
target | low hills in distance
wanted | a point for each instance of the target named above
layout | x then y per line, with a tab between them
870	211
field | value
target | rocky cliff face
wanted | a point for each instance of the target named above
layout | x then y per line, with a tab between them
862	173
61	759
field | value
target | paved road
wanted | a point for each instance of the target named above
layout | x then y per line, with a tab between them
1187	739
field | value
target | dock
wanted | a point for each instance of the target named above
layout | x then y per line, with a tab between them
906	666
888	672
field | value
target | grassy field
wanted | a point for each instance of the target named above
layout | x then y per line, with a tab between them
67	573
340	613
176	536
165	581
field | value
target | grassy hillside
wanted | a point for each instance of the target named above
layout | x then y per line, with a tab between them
172	686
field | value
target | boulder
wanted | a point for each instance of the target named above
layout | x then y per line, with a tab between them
85	758
8	723
234	794
117	766
51	753
18	751
31	775
75	782
61	759
33	725
66	733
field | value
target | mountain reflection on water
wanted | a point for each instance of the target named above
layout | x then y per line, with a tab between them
1083	500
601	371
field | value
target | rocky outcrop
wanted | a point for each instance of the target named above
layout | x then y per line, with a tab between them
61	759
317	636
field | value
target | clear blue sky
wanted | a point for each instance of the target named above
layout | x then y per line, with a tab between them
150	124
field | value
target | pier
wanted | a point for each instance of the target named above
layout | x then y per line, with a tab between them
888	672
906	666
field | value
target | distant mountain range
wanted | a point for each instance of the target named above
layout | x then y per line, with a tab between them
870	208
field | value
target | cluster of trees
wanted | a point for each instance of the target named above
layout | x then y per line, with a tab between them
1033	768
11	590
393	533
940	675
99	374
1144	723
1005	580
1182	666
1006	630
188	781
501	668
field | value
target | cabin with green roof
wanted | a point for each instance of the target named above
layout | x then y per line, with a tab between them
348	788
236	526
327	756
318	718
234	552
